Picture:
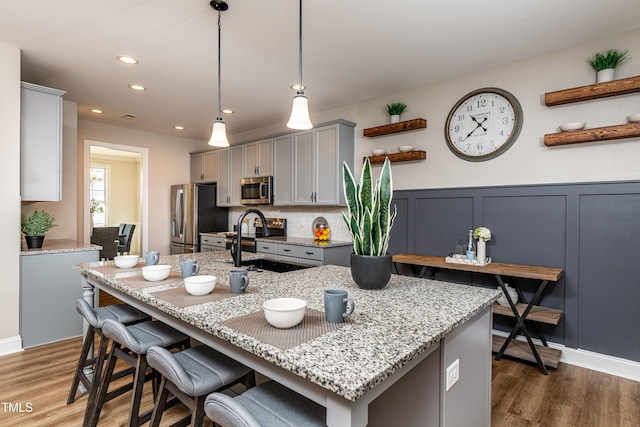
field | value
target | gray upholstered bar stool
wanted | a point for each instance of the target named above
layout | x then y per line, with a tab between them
190	375
130	344
95	317
268	404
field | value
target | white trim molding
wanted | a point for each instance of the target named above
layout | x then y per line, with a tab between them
10	345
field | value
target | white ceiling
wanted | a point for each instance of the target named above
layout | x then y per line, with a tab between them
353	50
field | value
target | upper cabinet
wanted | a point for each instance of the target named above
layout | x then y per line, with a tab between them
257	159
318	157
40	143
283	170
229	176
204	167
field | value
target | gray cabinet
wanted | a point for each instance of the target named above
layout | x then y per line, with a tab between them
318	157
305	254
229	176
257	158
204	167
283	170
40	143
210	243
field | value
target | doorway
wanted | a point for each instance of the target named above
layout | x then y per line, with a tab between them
116	189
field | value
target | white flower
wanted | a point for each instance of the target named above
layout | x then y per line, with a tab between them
482	233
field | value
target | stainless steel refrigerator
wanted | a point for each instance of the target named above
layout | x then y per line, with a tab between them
194	211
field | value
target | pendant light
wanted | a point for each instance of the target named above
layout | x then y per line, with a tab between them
300	112
219	132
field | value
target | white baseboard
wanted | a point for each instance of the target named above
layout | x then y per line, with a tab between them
10	345
587	359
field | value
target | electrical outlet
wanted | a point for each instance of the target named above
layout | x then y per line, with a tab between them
453	374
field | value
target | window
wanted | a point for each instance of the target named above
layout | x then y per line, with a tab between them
98	196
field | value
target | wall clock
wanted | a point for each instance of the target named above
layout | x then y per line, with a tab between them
483	124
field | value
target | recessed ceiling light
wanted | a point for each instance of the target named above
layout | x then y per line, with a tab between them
137	87
227	111
178	127
97	111
127	59
297	86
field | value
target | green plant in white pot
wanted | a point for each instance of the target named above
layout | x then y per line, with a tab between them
369	220
395	110
34	226
606	62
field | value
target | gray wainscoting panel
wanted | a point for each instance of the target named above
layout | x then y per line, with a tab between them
587	229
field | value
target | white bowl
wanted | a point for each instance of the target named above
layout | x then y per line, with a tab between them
634	118
126	261
153	273
379	152
406	148
572	126
284	312
200	285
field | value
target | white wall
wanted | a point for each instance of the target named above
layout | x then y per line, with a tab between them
10	195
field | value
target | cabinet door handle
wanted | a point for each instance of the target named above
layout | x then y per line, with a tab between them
310	253
286	250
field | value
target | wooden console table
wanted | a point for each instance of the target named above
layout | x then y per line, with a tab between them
530	311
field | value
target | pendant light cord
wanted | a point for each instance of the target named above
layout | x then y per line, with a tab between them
300	91
219	99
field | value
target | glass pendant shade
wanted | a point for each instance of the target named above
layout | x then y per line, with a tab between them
300	113
219	134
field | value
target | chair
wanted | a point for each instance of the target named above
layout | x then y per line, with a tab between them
190	375
95	317
107	237
268	404
124	237
130	345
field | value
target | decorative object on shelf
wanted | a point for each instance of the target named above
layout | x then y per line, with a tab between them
483	124
378	152
606	62
299	118
502	299
395	127
471	250
219	131
395	110
567	127
483	234
405	148
35	226
321	230
370	220
634	118
464	260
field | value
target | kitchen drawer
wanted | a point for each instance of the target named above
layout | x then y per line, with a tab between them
267	247
303	261
296	251
219	242
208	248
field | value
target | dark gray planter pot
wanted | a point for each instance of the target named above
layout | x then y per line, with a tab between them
371	272
34	242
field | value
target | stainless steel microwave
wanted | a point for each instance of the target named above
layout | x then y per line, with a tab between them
256	191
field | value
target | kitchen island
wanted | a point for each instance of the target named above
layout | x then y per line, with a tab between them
384	366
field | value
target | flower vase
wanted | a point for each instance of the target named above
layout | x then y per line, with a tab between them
481	250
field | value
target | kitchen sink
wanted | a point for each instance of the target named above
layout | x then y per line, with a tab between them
273	265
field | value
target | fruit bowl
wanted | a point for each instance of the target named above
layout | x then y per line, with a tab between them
126	261
154	273
284	312
572	126
200	285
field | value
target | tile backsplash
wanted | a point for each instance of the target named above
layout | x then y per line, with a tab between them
300	219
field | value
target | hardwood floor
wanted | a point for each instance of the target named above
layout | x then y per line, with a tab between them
34	385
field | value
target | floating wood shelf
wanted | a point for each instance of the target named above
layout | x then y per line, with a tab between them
537	313
398	157
550	356
595	91
396	127
631	130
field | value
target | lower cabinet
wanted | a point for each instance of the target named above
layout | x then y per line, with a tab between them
305	254
210	243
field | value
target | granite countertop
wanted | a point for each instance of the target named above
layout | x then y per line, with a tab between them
388	329
58	246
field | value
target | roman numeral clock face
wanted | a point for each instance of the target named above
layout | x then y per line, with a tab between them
483	124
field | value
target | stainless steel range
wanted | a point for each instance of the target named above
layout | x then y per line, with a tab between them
277	229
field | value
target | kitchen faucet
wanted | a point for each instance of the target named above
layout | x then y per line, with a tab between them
237	249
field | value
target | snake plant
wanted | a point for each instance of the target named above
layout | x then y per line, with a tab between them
370	218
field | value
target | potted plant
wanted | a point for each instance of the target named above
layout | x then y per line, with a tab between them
35	226
395	110
606	61
370	220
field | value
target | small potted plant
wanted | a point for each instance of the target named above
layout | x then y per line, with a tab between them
395	110
606	61
370	220
34	226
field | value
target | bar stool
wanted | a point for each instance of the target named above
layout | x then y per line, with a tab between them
268	404
130	344
190	375
95	317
